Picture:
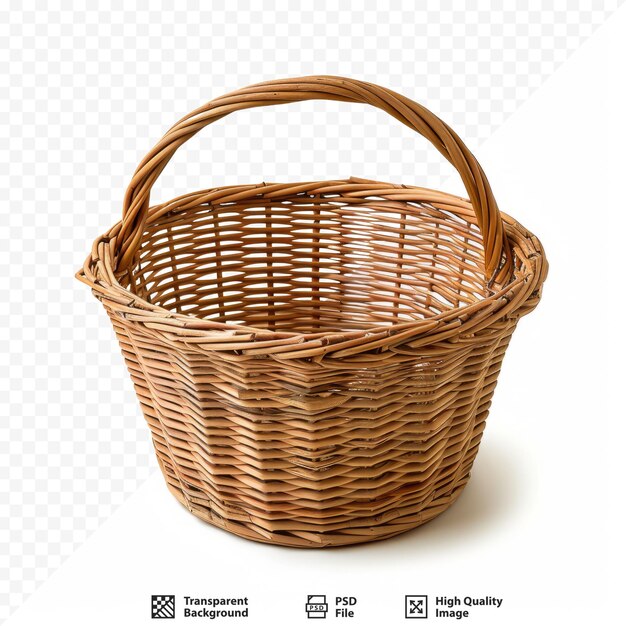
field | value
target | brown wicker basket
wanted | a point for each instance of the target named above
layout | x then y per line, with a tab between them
315	360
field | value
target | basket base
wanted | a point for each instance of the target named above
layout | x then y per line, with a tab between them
400	524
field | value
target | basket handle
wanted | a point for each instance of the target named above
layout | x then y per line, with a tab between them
415	116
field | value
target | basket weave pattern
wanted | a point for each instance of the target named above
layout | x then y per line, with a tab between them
315	360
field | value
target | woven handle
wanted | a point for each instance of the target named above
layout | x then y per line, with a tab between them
415	116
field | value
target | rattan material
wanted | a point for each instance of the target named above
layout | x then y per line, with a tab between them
316	360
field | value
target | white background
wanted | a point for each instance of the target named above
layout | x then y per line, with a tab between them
89	530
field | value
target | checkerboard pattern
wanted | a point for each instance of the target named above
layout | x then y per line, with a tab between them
163	607
85	93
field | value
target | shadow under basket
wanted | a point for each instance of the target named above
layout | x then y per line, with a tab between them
315	360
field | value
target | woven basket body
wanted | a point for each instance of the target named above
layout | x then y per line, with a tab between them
315	360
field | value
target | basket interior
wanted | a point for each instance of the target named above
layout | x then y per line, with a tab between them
311	263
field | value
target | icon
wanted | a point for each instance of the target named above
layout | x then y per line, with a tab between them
316	607
415	607
163	607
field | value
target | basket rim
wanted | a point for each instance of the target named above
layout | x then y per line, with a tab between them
518	296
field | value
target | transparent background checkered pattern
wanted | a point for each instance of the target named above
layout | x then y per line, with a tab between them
84	94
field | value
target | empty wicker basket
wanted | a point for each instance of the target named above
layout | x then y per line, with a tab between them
315	360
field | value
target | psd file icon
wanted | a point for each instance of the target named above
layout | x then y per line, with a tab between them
316	607
415	607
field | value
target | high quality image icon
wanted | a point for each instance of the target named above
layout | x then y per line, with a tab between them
415	607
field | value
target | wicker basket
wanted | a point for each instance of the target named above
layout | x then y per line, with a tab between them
315	360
